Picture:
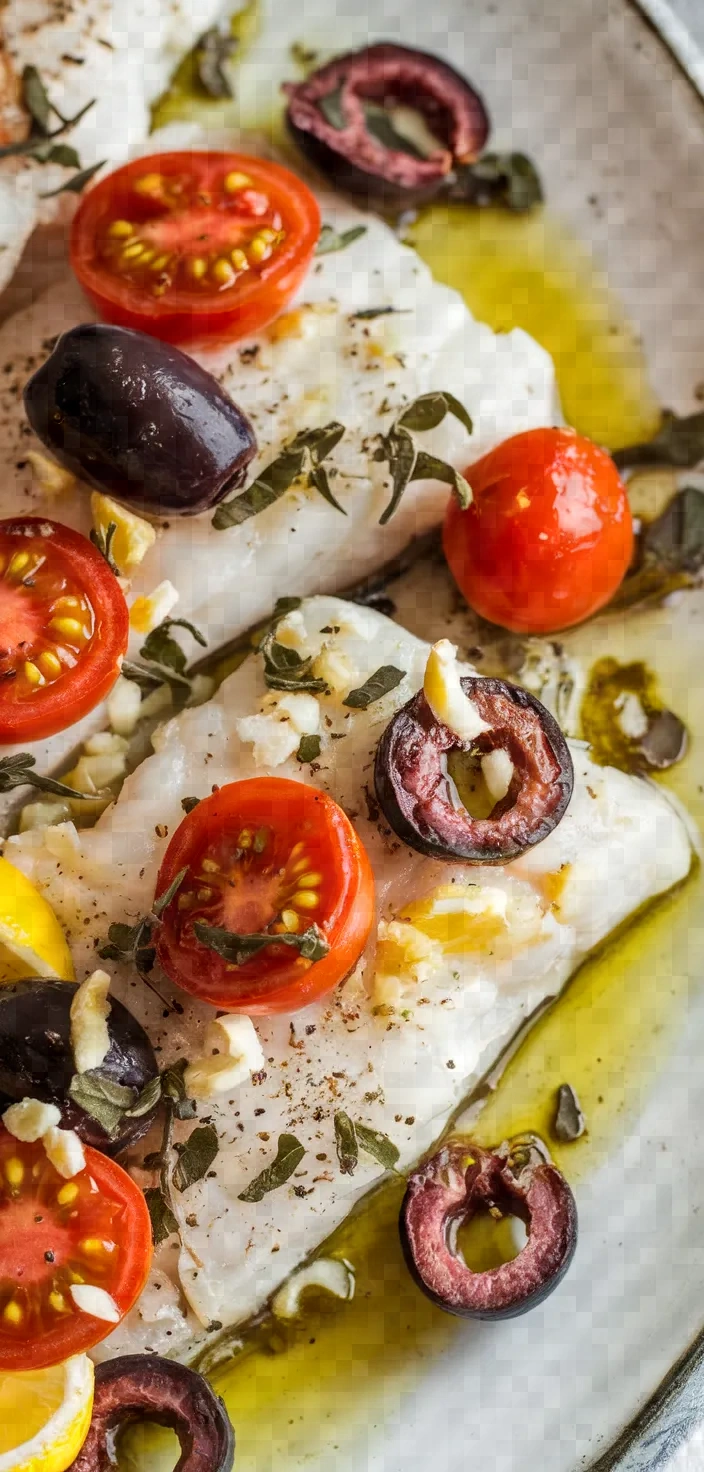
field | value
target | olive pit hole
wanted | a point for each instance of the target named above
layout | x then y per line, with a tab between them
484	1241
467	784
145	1443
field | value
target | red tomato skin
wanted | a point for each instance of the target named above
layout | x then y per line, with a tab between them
77	692
548	537
77	1335
200	971
194	322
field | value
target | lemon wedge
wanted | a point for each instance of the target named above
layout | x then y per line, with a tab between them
32	942
45	1415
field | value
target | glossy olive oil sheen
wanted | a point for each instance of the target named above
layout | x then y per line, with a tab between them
528	271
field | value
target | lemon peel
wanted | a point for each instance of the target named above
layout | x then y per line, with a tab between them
32	942
45	1415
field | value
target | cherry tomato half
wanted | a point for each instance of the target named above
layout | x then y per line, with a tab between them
64	627
265	856
194	247
92	1229
548	537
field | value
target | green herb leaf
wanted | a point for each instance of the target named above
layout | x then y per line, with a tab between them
18	771
160	649
306	451
195	1160
102	1098
304	56
679	442
318	479
238	949
400	452
173	1088
430	409
386	678
189	803
507	179
284	669
308	749
368	314
331	239
36	100
676	538
33	146
77	183
103	541
289	1155
61	153
147	679
428	467
377	1145
212	52
569	1123
162	1218
346	1143
147	1100
165	899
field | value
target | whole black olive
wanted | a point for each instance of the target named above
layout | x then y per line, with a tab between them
36	1060
139	420
518	1180
144	1387
339	118
418	797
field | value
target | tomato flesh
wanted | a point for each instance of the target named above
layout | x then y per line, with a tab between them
274	856
64	627
194	246
54	1233
548	537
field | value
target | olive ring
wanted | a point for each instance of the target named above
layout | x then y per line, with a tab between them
140	1387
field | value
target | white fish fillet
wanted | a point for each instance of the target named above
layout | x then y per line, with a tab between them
619	844
120	53
316	364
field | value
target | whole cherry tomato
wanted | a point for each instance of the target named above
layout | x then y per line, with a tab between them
548	536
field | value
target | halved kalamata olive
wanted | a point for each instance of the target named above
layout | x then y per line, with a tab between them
36	1059
140	420
515	1180
422	802
342	118
144	1387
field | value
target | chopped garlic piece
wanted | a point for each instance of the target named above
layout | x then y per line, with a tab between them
631	716
445	696
95	773
303	711
332	1274
96	1302
90	1009
30	1119
124	706
406	958
150	610
43	815
291	632
338	672
233	1053
50	477
133	537
274	741
65	1151
104	743
497	771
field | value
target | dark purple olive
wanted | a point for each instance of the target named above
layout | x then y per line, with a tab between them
340	117
139	420
414	785
36	1060
516	1180
144	1387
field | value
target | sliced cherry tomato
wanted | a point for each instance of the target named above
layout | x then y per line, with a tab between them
64	628
54	1234
265	856
548	537
194	247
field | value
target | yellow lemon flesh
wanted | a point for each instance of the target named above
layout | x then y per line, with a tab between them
45	1415
32	942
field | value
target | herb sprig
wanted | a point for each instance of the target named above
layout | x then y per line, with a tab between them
679	443
289	1155
331	239
303	455
40	144
238	949
18	771
132	944
165	660
351	1136
407	463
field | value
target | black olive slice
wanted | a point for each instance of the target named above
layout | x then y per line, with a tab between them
144	1387
329	116
139	420
516	1180
36	1059
420	800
